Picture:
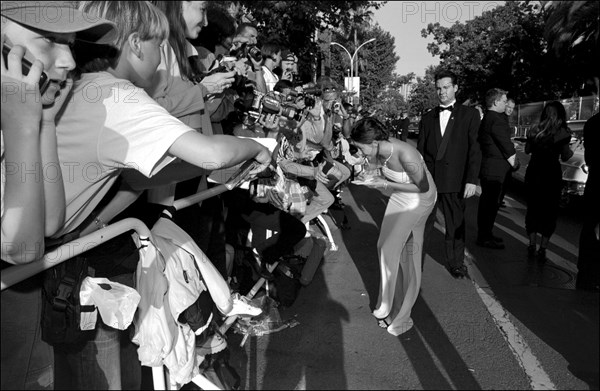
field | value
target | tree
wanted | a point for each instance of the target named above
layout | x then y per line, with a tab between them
572	31
376	62
503	48
423	97
295	24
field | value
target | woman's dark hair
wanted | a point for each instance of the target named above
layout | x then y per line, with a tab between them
369	129
177	39
221	27
553	118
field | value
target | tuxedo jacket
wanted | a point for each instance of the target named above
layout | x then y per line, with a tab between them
496	146
454	159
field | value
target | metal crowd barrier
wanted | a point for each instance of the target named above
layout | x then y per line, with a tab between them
15	274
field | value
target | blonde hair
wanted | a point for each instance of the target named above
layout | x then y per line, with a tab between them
139	17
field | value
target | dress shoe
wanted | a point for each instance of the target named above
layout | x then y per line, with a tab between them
459	272
497	239
490	243
531	251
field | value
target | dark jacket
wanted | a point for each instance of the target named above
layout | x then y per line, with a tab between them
452	160
496	146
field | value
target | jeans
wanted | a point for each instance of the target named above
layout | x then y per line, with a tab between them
320	202
27	362
107	362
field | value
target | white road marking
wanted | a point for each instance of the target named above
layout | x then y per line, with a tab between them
538	378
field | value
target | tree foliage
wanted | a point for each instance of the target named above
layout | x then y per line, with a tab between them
423	97
296	24
504	48
572	31
376	62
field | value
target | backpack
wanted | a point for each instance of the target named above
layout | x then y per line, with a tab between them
287	280
61	309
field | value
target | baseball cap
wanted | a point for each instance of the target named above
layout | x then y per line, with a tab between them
287	55
60	17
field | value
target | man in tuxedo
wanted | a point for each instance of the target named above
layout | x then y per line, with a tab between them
403	126
448	144
510	107
498	157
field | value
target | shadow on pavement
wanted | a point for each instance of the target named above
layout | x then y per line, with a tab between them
541	297
428	332
363	247
308	356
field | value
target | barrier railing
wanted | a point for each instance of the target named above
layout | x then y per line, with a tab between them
15	274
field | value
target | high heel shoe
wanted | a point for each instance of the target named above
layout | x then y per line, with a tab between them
383	323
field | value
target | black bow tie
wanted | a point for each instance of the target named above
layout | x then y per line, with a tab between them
449	108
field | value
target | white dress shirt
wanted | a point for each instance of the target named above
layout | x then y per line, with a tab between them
445	117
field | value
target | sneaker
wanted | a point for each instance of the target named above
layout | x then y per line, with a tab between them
242	308
212	344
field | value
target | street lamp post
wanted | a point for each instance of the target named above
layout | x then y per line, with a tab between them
352	59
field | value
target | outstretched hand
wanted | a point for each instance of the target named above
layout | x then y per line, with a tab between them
217	82
374	183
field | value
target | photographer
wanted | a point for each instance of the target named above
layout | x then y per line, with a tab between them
271	52
334	116
289	66
296	159
247	33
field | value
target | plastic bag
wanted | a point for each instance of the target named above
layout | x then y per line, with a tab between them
115	302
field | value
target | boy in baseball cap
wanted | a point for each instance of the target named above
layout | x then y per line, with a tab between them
33	205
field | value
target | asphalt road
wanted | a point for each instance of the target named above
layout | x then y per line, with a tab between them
515	325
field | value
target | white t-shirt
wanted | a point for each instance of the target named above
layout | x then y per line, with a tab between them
109	124
270	78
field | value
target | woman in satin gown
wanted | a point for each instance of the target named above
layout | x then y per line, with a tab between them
400	242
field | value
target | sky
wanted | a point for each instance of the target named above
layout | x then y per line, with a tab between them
404	20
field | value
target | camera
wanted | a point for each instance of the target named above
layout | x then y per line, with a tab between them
255	103
336	106
241	84
249	52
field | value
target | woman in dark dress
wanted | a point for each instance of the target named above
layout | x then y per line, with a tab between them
548	141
